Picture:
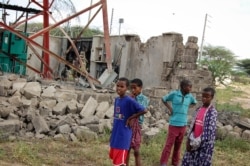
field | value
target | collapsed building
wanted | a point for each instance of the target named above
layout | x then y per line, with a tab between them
29	107
162	62
61	109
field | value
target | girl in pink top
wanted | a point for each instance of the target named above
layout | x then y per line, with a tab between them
201	136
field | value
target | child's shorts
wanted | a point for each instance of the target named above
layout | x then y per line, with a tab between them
118	156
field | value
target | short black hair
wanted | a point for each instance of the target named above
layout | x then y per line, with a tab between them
211	90
137	81
125	80
184	83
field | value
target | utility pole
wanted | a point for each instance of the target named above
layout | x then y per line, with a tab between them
121	20
203	38
111	21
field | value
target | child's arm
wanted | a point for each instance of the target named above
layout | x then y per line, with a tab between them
135	116
168	106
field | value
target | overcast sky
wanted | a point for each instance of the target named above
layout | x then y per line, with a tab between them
228	22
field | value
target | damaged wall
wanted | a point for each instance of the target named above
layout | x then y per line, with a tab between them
57	45
162	62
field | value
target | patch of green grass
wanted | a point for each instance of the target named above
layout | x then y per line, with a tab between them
26	153
151	149
231	152
225	102
225	95
228	152
2	153
230	143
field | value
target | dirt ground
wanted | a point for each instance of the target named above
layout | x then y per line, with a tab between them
244	100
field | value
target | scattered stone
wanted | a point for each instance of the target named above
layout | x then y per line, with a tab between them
60	108
40	125
246	134
102	109
110	112
89	108
4	111
84	134
49	92
64	129
9	126
73	137
32	89
31	111
18	85
89	120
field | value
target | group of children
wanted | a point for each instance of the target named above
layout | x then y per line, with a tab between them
129	113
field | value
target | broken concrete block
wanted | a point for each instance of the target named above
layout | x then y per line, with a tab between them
65	120
102	109
106	123
18	85
32	89
15	101
89	108
9	126
29	127
13	116
110	112
4	111
64	129
60	108
84	134
73	137
66	96
3	91
79	107
89	120
49	92
26	103
50	103
34	102
97	128
59	137
72	108
12	77
40	124
6	84
246	134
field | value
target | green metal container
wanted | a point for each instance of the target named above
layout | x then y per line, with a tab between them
15	46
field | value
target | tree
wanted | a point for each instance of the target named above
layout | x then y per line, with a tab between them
220	62
244	65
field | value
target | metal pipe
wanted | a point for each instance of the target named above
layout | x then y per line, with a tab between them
60	59
46	35
106	35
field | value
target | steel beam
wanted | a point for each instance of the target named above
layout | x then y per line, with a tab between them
60	59
106	35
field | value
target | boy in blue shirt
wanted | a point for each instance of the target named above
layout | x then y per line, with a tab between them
181	100
136	90
125	109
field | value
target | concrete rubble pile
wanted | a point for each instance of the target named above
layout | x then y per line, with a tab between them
42	110
52	110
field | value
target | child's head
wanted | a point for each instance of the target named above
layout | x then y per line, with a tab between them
136	86
207	95
185	86
122	86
